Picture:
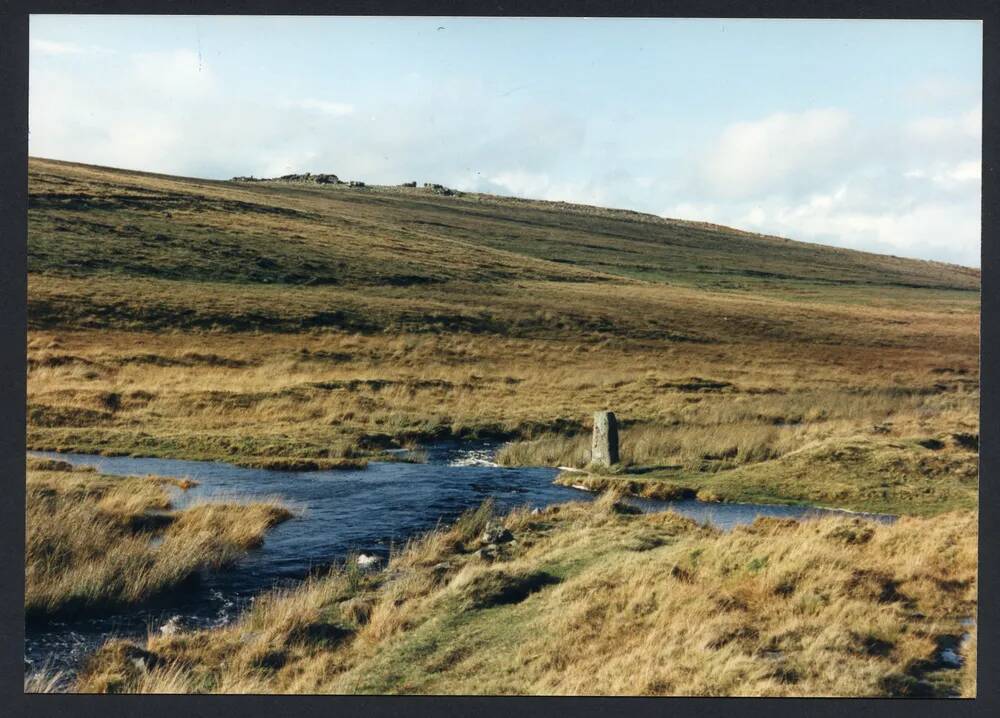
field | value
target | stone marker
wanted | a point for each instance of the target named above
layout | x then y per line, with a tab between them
604	448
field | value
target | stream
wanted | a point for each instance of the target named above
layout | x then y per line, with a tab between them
337	513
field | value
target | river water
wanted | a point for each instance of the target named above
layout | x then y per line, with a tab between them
338	513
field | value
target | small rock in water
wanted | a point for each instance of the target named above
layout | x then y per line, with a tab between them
366	561
171	627
951	658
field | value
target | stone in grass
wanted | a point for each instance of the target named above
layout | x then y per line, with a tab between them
495	534
604	445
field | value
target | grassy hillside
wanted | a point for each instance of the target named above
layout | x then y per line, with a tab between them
272	324
269	322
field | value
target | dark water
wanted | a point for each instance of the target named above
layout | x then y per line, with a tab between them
337	513
726	516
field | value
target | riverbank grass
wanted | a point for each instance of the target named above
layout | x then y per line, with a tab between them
869	473
596	599
96	542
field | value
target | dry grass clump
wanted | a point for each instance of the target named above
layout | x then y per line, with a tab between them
778	608
548	450
96	541
860	473
278	463
596	599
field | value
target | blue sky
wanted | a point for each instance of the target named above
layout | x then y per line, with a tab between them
861	134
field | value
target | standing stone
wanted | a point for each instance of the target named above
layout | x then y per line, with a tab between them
604	448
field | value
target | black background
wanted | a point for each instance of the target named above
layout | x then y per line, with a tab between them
13	301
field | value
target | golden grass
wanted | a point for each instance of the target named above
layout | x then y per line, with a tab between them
860	472
598	600
96	541
294	327
328	399
277	325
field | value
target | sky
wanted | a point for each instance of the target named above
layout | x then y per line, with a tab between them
858	134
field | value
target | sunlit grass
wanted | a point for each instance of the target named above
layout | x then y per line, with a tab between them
96	542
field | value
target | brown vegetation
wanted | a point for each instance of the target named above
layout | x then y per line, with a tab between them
279	325
297	327
95	541
596	599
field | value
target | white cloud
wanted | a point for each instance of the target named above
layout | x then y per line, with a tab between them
817	175
940	90
754	157
856	216
946	129
170	76
50	47
945	230
912	190
326	107
968	171
950	176
538	185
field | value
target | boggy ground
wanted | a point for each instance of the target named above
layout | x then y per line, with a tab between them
593	599
314	327
97	542
867	428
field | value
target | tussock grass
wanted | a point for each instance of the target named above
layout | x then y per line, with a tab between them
96	542
45	682
860	473
595	599
278	463
293	327
400	391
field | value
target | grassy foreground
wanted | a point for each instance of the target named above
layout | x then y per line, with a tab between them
590	599
289	326
96	542
278	325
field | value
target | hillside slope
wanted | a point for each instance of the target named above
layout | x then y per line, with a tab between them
260	322
293	234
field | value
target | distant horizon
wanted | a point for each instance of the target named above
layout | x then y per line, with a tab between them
420	182
846	133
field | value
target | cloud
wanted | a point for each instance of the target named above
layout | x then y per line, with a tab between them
944	230
913	189
946	129
942	90
172	76
755	157
538	185
139	116
334	109
50	47
953	176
